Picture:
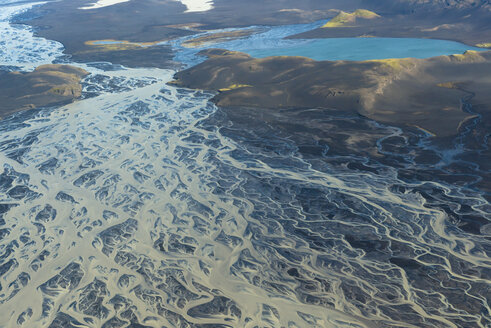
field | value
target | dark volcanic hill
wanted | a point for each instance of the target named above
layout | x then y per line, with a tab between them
424	93
47	85
461	4
467	21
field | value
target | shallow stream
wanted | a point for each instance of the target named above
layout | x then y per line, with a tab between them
143	205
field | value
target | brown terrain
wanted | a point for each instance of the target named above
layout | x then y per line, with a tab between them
467	25
396	91
46	86
423	93
159	20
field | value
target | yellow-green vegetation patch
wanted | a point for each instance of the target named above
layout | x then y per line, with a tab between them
118	45
450	85
344	19
222	53
66	79
363	13
468	56
395	63
484	45
340	20
217	37
425	130
69	90
235	86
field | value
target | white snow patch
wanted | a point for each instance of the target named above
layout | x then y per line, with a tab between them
102	3
191	5
197	5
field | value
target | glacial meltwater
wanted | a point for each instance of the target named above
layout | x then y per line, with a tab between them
273	41
362	48
143	205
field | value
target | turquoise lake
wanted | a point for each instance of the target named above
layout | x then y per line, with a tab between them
271	42
362	48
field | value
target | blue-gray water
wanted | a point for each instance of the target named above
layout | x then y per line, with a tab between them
271	42
143	205
361	48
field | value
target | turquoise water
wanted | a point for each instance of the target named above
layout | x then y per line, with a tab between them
360	48
272	42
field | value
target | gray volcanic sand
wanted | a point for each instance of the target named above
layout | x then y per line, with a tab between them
142	207
145	205
124	221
